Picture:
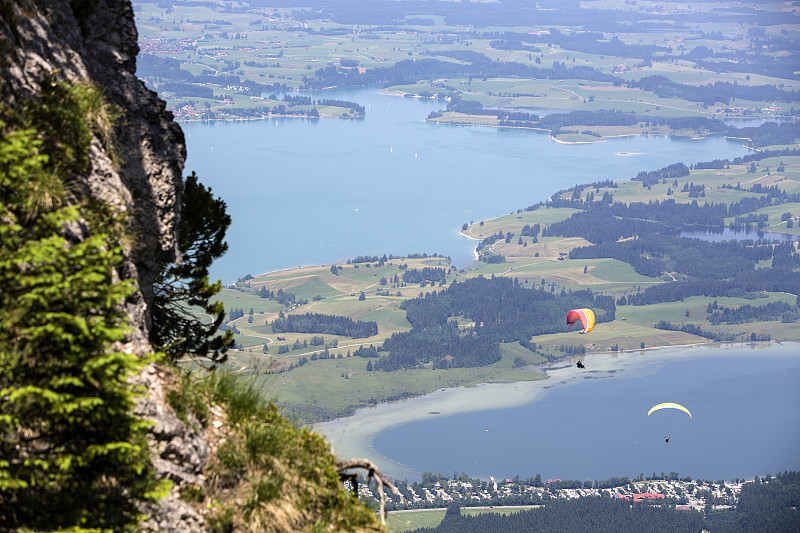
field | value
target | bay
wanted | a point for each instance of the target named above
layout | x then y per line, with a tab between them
743	399
306	191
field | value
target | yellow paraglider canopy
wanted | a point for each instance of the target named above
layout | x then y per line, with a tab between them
669	405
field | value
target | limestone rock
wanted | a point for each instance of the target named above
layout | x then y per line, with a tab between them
96	42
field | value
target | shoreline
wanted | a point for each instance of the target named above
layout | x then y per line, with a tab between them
353	436
184	120
475	249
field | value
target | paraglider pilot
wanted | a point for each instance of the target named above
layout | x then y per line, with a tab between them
666	439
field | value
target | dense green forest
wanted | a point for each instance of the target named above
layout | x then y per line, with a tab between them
501	309
329	324
706	268
425	274
584	514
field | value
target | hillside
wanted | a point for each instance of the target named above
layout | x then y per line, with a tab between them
102	244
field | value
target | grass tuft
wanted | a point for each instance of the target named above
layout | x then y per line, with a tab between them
267	473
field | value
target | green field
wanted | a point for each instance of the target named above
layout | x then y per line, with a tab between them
272	45
406	521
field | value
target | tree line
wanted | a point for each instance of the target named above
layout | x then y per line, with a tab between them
710	94
694	258
782	311
502	311
329	324
589	42
696	330
600	514
426	274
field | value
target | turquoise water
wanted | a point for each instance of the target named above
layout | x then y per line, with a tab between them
305	191
744	403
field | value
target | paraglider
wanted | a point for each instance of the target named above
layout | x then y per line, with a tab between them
586	316
666	439
580	364
669	405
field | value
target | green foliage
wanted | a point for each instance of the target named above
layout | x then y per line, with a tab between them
283	477
27	187
67	116
72	453
188	398
182	288
192	492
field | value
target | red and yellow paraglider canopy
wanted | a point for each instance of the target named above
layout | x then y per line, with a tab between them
586	316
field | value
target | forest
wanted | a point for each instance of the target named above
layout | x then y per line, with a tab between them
769	133
501	309
697	330
329	324
412	70
751	313
589	42
748	284
425	274
693	258
711	94
597	514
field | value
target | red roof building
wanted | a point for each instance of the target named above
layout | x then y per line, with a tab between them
646	496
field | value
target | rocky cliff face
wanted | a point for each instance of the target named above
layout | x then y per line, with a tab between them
96	41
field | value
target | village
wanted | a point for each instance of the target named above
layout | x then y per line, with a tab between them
684	494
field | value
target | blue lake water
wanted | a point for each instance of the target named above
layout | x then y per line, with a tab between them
744	401
728	234
304	191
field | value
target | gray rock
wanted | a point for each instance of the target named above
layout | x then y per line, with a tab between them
96	42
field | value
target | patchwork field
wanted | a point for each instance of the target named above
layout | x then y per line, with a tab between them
217	51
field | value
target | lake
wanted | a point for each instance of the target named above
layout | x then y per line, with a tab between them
305	191
743	398
728	234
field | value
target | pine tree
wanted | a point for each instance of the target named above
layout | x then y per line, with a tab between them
72	453
180	286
